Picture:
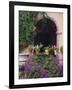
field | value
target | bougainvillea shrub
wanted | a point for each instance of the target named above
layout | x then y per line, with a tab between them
41	66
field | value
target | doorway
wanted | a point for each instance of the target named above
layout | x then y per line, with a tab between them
46	32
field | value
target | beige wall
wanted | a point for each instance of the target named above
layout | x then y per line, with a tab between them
58	18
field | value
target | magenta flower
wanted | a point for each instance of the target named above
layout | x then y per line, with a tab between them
56	62
60	64
44	74
30	58
26	67
36	68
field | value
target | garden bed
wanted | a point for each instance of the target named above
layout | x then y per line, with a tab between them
40	66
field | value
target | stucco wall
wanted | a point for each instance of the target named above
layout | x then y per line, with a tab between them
58	18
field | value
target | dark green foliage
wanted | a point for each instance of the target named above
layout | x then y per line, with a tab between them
26	25
33	74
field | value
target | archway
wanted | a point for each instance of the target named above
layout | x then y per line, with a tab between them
46	32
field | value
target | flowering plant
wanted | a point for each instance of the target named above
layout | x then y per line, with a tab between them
41	66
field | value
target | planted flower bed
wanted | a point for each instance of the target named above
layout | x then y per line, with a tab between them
41	66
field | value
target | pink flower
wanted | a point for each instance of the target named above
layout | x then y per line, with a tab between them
26	67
